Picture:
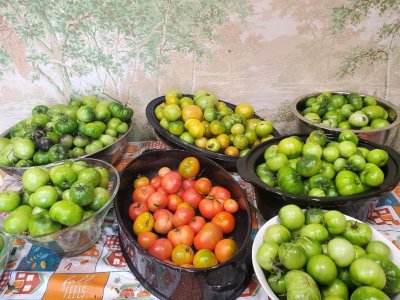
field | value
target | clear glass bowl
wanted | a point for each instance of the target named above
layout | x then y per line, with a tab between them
76	239
5	252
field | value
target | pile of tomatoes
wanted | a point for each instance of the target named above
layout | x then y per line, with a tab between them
184	220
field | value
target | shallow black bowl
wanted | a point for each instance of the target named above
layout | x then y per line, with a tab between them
224	281
270	200
228	162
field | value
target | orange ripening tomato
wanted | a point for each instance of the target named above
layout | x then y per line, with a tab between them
141	181
225	250
189	167
225	220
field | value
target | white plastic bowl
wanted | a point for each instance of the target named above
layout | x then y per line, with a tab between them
258	240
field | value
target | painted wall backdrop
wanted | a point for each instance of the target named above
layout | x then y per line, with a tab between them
264	52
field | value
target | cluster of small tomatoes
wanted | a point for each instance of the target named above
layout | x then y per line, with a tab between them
184	220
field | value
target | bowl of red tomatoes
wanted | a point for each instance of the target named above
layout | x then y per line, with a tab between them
184	226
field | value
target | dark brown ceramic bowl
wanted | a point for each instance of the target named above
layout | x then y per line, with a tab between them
228	162
165	281
270	199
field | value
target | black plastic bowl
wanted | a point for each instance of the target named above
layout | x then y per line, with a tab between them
228	162
270	199
224	281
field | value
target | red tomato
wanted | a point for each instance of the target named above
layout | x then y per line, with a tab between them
163	171
171	182
163	224
146	239
192	197
186	205
225	220
141	181
182	216
182	255
197	223
209	208
156	181
142	193
162	212
156	201
208	237
231	206
203	185
161	249
136	208
161	190
188	183
189	167
220	193
225	250
181	235
173	201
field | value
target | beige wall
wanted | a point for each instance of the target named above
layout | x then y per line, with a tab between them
263	52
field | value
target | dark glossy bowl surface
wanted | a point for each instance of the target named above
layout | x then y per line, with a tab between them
228	162
382	136
270	200
224	281
109	154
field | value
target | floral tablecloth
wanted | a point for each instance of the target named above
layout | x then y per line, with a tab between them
101	272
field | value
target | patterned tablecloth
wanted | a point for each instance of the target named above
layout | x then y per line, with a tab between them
101	272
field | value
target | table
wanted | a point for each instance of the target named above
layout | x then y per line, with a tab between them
101	273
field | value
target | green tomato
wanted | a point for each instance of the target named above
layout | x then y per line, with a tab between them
276	282
314	216
369	100
66	195
313	117
341	251
322	269
344	125
113	123
330	154
85	114
309	164
356	163
337	100
339	164
41	223
378	247
372	175
82	193
289	180
364	271
66	124
75	103
66	212
318	137
392	272
292	147
336	289
112	132
39	109
105	177
357	233
17	221
101	196
311	148
360	252
379	123
348	183
66	140
310	246
23	148
355	100
316	192
300	285
101	111
347	110
34	178
93	147
81	141
266	255
270	151
335	222
368	293
315	231
327	170
348	135
106	140
362	151
58	152
92	130
292	256
320	181
358	119
89	100
122	127
44	197
291	216
9	200
347	149
90	176
40	120
172	112
62	176
76	152
378	157
277	233
374	112
276	162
